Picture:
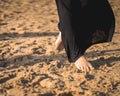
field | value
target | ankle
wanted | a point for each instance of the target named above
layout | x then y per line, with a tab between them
82	58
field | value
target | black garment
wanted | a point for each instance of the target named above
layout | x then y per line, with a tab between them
84	23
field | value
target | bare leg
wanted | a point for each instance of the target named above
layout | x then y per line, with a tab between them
58	43
83	64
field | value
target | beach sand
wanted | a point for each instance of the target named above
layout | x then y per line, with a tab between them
30	65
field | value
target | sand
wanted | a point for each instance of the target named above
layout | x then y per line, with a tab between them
30	65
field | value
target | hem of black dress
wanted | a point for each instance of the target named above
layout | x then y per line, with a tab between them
80	54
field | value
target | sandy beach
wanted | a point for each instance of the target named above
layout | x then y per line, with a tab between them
30	65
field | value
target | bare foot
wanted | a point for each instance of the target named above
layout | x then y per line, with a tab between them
83	64
58	43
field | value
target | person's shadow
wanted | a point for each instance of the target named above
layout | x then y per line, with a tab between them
102	61
7	35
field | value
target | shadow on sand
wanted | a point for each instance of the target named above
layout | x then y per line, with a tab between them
7	36
102	61
32	59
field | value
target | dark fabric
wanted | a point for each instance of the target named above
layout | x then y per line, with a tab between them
84	23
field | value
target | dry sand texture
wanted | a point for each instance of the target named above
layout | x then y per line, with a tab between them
29	65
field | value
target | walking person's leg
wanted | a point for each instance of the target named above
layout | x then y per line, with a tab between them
81	26
68	34
58	42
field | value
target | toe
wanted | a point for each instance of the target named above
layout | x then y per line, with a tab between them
81	67
87	69
90	66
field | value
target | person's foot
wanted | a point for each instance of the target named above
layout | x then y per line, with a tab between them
58	42
83	65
